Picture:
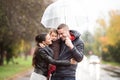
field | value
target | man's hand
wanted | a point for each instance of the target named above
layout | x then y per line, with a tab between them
73	61
69	43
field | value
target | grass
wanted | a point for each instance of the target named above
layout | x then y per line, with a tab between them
111	63
9	70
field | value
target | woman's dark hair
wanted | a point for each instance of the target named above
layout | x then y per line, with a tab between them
41	37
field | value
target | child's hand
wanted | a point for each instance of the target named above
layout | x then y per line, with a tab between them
42	45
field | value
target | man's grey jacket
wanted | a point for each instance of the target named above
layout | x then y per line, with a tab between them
67	54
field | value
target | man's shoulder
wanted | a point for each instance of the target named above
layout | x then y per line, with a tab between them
75	33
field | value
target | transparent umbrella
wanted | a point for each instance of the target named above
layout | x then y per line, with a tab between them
63	11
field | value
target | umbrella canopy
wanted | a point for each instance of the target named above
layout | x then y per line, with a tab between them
62	11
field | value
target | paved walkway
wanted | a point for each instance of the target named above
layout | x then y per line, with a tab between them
115	69
26	75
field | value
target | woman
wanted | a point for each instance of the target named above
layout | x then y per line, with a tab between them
43	57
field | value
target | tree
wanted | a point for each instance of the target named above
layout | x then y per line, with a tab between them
113	32
20	21
88	40
3	31
110	41
113	35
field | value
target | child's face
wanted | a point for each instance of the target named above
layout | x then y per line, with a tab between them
54	36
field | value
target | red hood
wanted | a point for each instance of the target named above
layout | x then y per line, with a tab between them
72	37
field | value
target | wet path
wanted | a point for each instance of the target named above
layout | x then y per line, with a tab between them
87	72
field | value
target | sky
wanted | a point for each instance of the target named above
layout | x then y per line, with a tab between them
80	15
94	9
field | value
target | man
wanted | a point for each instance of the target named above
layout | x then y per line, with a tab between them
71	47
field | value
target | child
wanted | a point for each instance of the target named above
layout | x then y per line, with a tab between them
55	46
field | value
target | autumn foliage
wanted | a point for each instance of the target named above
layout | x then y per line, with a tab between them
111	40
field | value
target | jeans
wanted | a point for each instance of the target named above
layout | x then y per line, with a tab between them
62	78
35	76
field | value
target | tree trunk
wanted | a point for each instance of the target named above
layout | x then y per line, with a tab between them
1	55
